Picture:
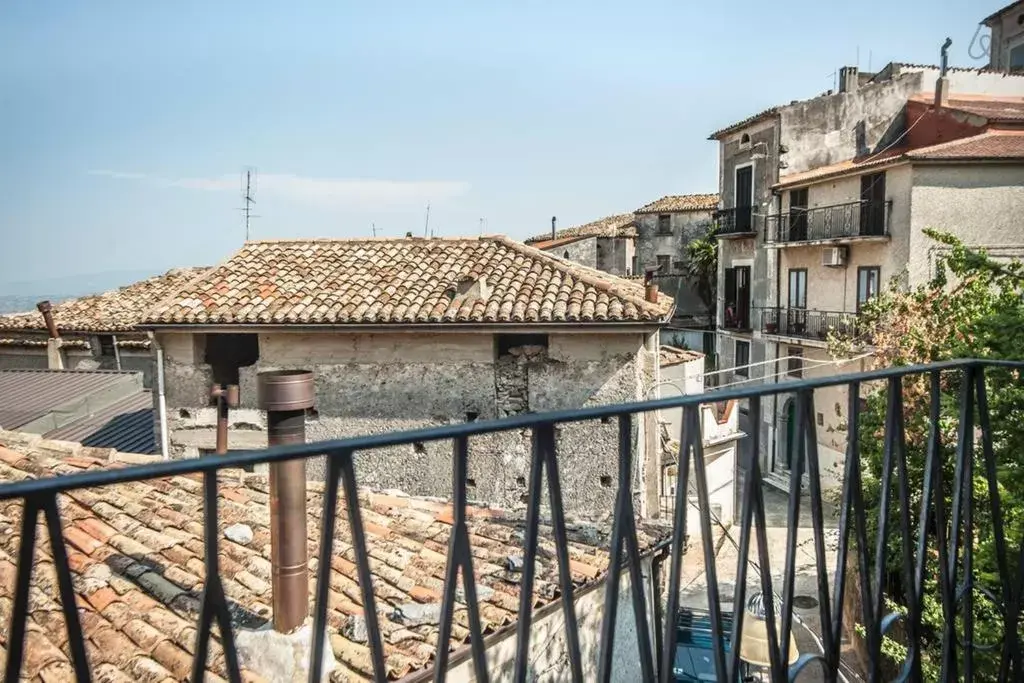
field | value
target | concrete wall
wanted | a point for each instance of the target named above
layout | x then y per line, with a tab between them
549	660
1007	32
615	255
686	227
376	383
981	204
583	251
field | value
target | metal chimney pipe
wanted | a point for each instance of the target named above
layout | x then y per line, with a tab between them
285	395
226	397
554	220
47	310
650	286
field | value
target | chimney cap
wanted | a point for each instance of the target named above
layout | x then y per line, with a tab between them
44	306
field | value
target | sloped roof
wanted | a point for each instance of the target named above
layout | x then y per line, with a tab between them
118	310
485	280
681	202
136	554
997	109
619	225
1000	12
760	116
993	145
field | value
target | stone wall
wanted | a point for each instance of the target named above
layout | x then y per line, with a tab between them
583	251
686	227
377	383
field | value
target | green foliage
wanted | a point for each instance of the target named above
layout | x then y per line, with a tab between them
972	308
702	266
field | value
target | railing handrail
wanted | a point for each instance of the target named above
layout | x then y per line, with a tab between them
240	459
804	310
799	210
779	226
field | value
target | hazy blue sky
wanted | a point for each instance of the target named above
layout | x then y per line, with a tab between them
126	124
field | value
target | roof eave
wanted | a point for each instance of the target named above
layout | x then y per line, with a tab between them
746	123
783	185
575	326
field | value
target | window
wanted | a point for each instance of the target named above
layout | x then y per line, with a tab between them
798	288
795	362
745	139
106	345
798	215
664	264
872	204
664	224
226	353
1015	59
742	358
737	297
868	278
565	254
504	343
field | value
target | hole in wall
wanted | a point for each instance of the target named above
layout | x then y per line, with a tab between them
520	481
821	419
471	483
419	448
606	481
471	416
312	414
606	420
184	414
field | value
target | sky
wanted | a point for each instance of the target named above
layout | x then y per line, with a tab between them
127	126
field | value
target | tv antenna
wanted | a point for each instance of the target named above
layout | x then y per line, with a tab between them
426	224
373	229
248	199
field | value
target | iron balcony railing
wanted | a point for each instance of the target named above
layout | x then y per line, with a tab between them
839	221
946	537
808	324
734	222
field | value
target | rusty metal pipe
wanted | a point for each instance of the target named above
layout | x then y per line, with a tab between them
226	397
47	310
286	395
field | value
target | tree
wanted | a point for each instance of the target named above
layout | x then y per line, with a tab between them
972	308
702	267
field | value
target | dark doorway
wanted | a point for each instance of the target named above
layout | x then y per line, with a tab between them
797	215
226	353
744	199
872	204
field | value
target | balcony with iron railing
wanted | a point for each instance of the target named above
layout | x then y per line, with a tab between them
838	223
936	544
807	324
735	223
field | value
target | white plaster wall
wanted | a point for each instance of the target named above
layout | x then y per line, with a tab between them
981	204
548	657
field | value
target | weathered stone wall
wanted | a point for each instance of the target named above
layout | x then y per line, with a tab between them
686	227
615	255
377	383
583	252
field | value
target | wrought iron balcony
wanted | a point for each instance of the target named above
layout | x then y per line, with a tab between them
730	223
852	220
800	322
938	558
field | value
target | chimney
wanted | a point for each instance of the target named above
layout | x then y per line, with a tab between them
225	397
285	395
54	359
554	219
650	287
848	79
942	84
47	310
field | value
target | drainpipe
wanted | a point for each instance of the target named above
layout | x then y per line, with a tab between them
54	360
285	395
117	354
161	400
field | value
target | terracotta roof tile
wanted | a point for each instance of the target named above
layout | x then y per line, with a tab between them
997	109
138	602
115	311
994	144
487	280
682	202
619	225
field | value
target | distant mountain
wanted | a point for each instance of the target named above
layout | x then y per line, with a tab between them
18	296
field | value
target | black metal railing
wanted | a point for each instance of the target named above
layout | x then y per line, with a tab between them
800	322
944	532
839	221
733	222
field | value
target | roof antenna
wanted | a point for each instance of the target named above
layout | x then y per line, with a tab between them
373	229
426	224
481	226
247	197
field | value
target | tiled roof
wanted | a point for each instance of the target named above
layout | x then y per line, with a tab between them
681	202
890	156
760	116
997	109
486	280
118	310
136	554
39	341
671	355
619	225
1000	12
995	144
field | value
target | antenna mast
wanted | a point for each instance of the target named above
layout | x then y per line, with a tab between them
248	199
426	224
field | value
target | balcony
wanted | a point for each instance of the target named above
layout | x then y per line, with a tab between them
735	223
838	223
940	554
807	324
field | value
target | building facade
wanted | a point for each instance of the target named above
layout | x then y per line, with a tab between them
403	334
1006	40
607	244
825	201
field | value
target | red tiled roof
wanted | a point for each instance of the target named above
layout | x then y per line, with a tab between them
682	202
890	156
619	225
486	280
136	554
995	144
997	109
118	310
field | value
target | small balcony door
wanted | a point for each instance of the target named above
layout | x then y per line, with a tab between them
744	198
796	314
737	297
798	215
872	204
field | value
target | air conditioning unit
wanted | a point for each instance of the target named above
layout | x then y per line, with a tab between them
833	256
